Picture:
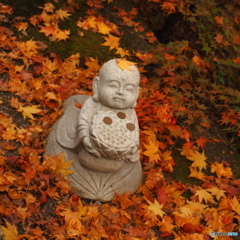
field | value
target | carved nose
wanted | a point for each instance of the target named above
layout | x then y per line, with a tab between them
120	91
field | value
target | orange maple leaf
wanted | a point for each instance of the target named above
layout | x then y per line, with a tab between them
57	164
21	26
219	38
111	41
92	64
48	30
123	63
169	7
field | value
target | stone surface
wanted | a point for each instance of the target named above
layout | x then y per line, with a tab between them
103	136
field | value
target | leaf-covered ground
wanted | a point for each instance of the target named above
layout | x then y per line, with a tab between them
188	88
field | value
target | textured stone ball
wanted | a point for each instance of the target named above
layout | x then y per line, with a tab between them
113	133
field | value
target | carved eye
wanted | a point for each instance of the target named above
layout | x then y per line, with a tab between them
129	89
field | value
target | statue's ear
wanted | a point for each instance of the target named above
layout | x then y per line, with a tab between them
135	104
95	88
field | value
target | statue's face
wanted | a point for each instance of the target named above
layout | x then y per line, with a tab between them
118	89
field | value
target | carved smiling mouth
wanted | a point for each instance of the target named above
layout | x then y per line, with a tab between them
117	99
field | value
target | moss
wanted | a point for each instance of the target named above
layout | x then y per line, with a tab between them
88	45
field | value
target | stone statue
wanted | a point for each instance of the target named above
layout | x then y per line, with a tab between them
103	136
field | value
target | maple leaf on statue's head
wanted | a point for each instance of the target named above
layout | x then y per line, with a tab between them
123	63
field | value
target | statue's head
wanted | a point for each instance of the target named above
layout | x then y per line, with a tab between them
115	87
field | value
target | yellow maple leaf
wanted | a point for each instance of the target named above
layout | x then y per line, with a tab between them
199	159
48	7
10	232
217	192
155	207
152	151
50	65
123	63
103	28
28	111
63	166
62	14
62	34
122	52
203	194
235	205
111	41
196	174
221	170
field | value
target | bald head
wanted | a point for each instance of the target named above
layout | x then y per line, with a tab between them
113	71
115	87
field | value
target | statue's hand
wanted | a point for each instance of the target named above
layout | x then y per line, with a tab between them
89	147
123	158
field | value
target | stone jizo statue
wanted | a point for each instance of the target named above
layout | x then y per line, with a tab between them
103	136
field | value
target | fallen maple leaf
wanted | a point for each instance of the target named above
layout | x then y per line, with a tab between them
152	151
122	52
234	203
28	111
48	7
123	63
62	34
217	192
221	170
103	28
62	14
199	159
155	207
93	65
196	174
21	26
111	41
203	194
48	30
10	232
219	38
63	166
169	7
